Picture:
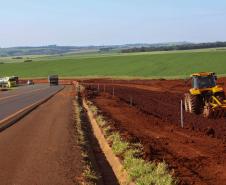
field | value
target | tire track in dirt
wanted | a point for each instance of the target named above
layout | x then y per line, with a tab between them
196	159
167	108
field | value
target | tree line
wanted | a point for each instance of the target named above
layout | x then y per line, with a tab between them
175	47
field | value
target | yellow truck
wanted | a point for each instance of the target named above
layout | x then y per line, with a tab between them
8	82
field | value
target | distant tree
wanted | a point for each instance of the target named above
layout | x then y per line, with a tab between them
176	47
17	58
29	60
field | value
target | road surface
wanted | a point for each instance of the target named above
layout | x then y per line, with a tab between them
13	101
41	148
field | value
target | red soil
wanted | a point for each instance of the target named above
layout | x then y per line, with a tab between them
166	97
197	153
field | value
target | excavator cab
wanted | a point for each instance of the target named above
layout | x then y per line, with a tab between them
200	82
205	83
205	97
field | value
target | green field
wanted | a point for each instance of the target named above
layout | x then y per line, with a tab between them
135	65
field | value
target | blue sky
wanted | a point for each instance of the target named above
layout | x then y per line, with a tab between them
103	22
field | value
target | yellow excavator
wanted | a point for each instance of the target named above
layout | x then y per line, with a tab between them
205	97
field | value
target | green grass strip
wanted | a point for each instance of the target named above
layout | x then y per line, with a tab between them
140	171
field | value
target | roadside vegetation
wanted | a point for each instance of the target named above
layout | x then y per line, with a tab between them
135	65
140	171
89	175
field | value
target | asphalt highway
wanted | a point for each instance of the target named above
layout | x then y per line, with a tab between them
15	100
41	148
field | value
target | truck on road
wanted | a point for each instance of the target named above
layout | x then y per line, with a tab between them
53	80
8	82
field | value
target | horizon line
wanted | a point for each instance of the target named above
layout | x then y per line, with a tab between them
105	45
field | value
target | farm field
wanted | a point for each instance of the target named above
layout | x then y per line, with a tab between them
136	65
21	59
196	153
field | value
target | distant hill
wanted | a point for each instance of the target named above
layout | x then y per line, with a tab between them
174	46
42	50
139	47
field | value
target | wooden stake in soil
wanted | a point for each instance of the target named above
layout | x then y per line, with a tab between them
181	114
113	91
98	87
